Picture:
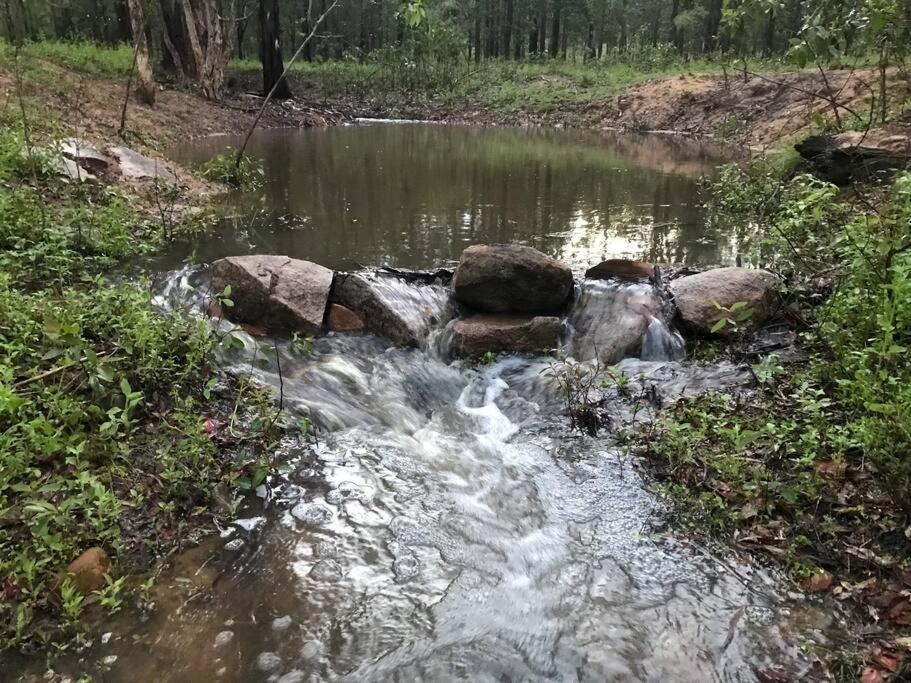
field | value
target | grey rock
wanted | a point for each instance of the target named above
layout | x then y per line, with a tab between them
276	292
268	661
85	154
391	307
135	166
504	278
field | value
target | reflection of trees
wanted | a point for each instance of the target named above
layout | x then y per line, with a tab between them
415	195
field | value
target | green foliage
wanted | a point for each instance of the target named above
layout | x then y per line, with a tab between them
104	439
223	168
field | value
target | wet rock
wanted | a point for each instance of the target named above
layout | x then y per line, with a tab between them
499	278
390	307
277	292
89	569
85	154
295	676
135	166
480	334
696	296
342	319
622	269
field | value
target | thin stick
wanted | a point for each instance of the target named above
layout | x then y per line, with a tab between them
262	109
126	98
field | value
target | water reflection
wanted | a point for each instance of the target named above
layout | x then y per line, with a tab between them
417	195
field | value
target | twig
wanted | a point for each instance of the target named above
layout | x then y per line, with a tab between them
271	94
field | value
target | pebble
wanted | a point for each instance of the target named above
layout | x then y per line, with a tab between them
251	524
224	638
109	660
311	513
106	638
234	546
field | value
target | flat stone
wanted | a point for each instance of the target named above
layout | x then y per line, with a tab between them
508	278
88	571
70	169
342	319
622	269
696	297
481	334
275	292
85	154
135	166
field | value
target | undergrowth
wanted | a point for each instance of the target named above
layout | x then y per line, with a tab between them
107	404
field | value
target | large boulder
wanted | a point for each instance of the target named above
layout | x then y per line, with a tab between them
275	292
85	154
343	319
480	334
500	278
843	160
391	307
696	296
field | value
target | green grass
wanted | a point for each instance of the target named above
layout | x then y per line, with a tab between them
88	58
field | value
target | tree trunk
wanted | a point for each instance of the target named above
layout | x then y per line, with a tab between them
273	66
675	35
590	42
477	32
542	33
624	28
555	30
507	28
712	26
770	33
145	81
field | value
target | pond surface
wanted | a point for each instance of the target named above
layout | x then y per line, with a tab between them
415	195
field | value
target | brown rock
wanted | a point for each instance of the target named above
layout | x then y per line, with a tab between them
342	319
696	296
501	278
88	570
479	334
274	292
622	269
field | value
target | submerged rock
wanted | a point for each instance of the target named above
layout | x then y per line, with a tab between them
401	311
500	278
696	296
622	269
88	571
276	292
342	319
135	166
480	334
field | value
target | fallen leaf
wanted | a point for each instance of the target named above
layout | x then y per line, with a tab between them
817	583
887	659
900	611
210	426
750	510
904	642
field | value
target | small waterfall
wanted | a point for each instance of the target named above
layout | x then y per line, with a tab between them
612	320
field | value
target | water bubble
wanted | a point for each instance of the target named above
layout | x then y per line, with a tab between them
281	623
268	661
312	513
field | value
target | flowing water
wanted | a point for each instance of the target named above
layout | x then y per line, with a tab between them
448	525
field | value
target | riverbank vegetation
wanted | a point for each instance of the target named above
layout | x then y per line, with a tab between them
114	429
812	467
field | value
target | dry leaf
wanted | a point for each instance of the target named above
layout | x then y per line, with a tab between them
817	583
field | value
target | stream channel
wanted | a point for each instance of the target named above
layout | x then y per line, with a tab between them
448	524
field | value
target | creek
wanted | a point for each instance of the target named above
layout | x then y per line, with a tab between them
448	524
